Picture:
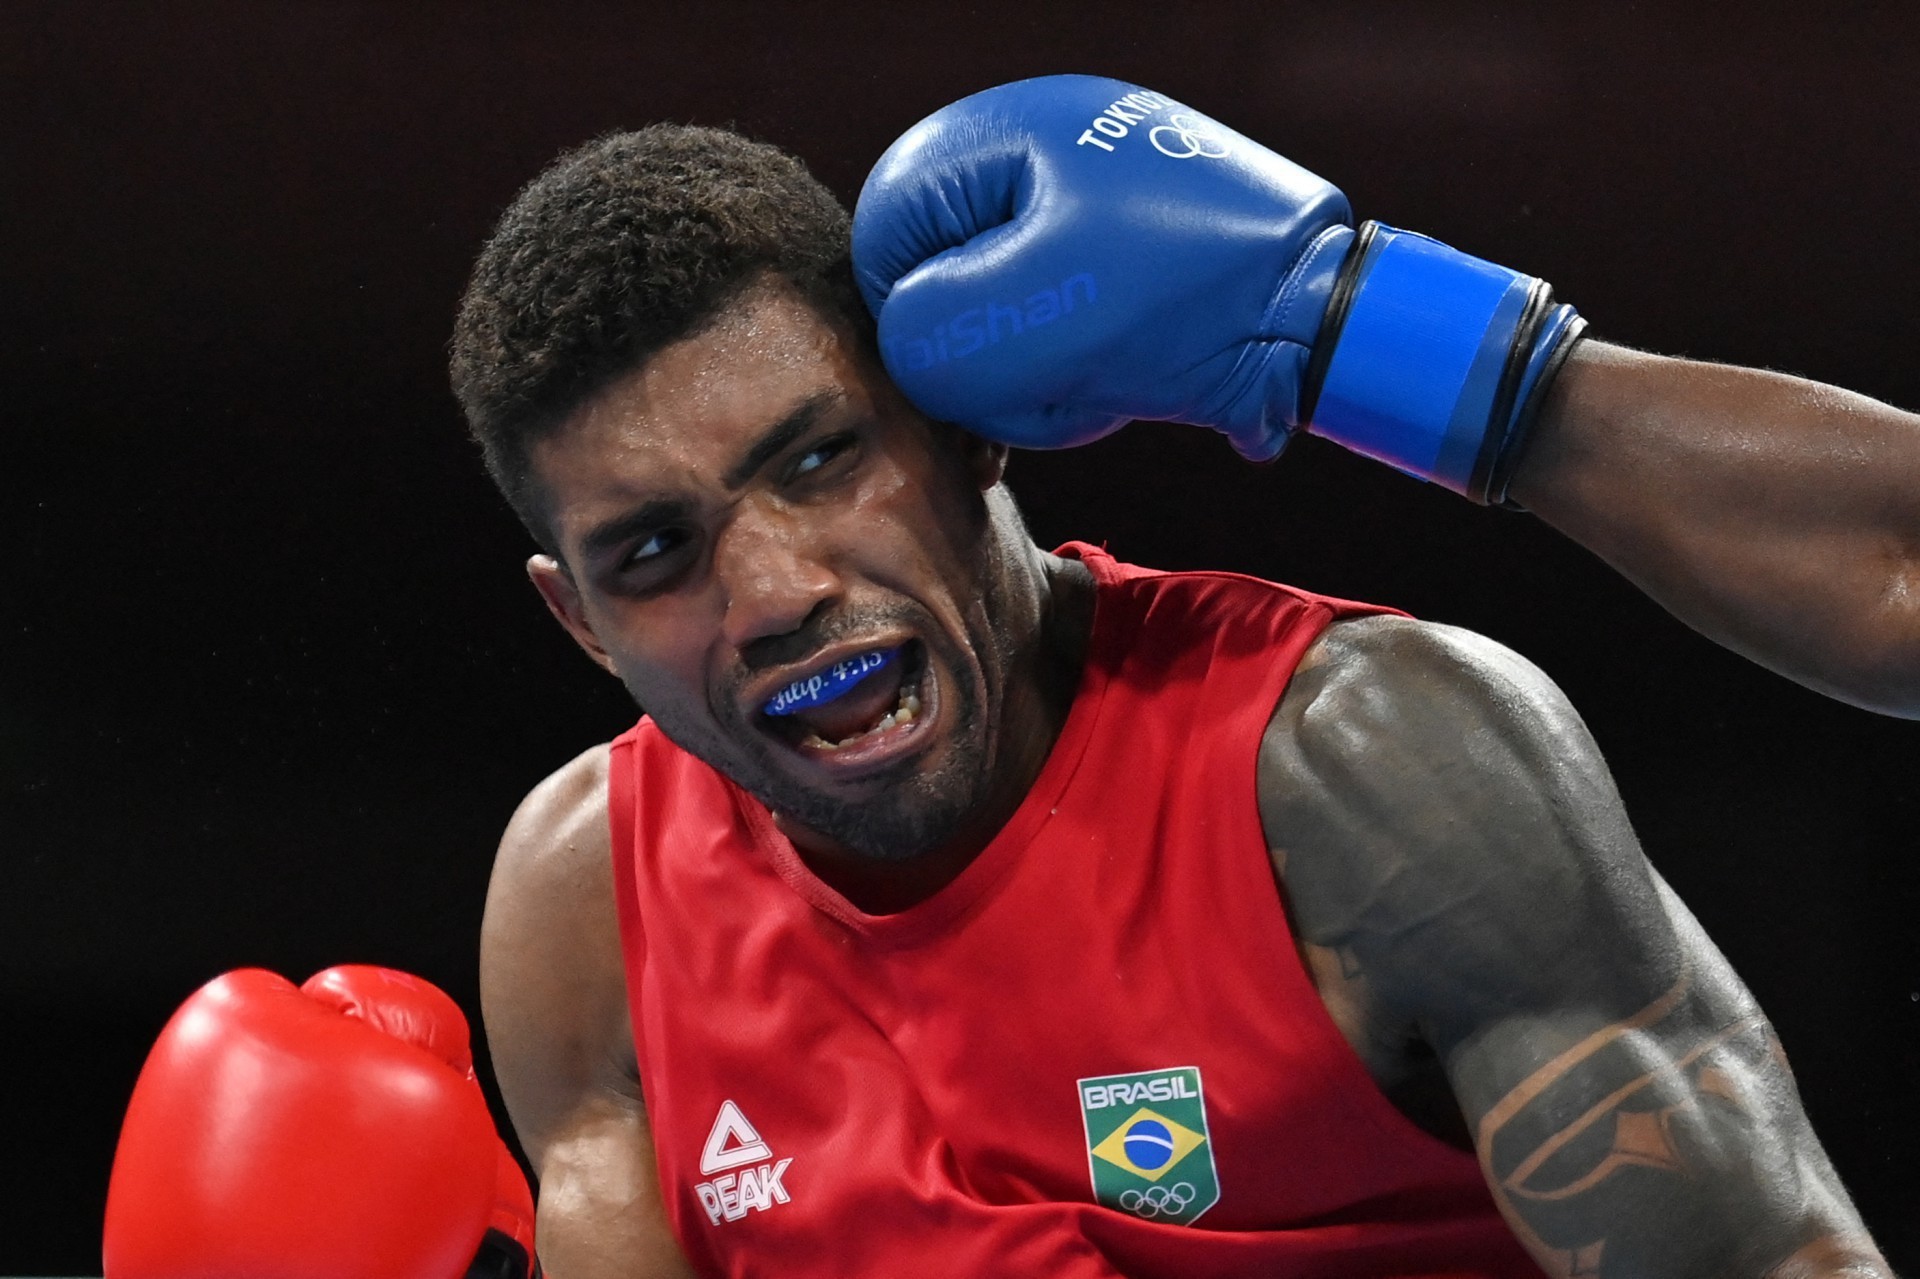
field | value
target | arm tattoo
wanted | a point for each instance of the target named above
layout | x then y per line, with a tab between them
1654	1145
1536	1148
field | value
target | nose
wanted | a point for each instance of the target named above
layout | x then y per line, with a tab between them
773	571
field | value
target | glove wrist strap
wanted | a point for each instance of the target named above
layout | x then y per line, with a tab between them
1429	360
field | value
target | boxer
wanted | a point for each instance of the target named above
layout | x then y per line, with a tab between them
961	908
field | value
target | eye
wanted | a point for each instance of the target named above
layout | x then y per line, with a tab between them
658	545
821	456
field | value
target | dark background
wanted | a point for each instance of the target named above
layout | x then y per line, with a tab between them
271	679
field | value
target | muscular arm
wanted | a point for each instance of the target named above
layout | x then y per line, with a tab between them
1776	516
1448	831
554	997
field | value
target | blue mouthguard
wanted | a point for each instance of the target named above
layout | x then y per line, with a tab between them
835	682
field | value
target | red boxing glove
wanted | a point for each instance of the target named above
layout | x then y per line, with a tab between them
335	1130
507	1251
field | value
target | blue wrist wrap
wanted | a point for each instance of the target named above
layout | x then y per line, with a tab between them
1435	359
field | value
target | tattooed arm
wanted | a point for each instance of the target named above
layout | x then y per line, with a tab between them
1470	895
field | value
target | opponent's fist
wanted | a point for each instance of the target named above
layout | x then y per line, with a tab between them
331	1130
1052	258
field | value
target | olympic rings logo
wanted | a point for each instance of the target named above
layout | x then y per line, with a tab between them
1157	1201
1194	141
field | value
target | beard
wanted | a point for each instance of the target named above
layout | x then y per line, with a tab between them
919	806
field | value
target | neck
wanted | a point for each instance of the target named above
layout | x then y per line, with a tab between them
1044	610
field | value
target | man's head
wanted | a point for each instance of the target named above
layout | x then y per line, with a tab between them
619	248
664	359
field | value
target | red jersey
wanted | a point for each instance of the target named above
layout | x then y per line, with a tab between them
1094	1053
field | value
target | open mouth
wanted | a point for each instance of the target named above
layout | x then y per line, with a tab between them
858	702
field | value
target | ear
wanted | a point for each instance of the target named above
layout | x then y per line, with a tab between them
986	459
562	596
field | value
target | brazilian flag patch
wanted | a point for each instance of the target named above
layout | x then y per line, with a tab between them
1147	1143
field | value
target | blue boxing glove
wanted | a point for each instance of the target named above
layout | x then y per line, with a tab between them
1054	258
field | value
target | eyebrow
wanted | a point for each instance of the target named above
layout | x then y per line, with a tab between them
662	511
782	433
643	518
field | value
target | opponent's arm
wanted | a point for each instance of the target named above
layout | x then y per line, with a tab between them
1449	831
1050	259
1777	516
553	993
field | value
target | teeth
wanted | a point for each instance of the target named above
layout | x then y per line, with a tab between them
905	713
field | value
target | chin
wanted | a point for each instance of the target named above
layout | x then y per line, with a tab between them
908	812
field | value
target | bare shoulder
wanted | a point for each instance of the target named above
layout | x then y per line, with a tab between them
553	874
1396	676
552	987
557	847
1391	723
1412	765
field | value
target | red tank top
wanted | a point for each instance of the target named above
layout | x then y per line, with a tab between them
1094	1053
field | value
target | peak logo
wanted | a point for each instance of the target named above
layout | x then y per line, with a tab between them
1153	1161
732	1142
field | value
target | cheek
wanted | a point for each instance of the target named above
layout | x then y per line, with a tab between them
935	549
659	655
924	504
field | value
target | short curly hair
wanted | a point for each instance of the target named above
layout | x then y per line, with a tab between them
621	247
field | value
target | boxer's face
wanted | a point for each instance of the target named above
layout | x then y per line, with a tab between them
755	505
